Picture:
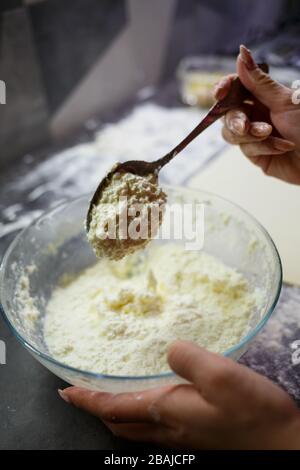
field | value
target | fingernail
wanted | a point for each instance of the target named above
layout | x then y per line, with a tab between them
247	58
64	396
237	126
283	145
261	128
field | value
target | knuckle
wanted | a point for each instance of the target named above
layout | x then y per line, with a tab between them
262	78
109	412
155	411
217	380
246	149
221	376
285	97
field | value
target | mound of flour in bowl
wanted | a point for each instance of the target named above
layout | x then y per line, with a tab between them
120	317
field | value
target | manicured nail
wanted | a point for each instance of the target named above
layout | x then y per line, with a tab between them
260	129
286	145
237	126
64	396
247	58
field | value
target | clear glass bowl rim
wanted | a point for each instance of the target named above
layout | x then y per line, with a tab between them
99	376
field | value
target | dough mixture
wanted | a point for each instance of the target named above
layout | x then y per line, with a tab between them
127	216
120	317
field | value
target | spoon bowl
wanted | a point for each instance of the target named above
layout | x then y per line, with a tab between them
137	167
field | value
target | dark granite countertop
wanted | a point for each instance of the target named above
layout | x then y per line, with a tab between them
32	414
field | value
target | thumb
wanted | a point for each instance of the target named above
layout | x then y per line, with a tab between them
269	92
201	367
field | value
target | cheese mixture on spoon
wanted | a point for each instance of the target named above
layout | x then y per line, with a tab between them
127	216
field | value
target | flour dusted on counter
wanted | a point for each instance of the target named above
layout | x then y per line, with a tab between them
120	317
148	132
128	202
151	131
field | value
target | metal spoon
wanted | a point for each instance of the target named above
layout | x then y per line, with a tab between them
236	96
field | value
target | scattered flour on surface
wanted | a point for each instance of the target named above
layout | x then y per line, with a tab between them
271	352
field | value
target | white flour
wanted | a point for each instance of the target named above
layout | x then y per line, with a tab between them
119	318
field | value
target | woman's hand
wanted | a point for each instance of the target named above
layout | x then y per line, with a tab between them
253	128
224	406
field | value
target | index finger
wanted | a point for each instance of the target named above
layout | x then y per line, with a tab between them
122	408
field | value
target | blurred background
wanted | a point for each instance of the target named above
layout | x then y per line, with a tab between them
66	61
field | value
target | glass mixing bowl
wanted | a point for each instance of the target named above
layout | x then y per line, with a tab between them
55	245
